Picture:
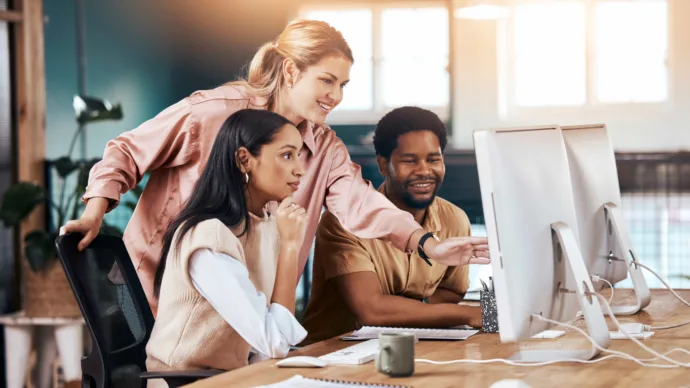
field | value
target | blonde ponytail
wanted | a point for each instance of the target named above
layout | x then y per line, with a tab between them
306	42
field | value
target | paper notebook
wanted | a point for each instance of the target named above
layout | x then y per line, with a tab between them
369	332
299	381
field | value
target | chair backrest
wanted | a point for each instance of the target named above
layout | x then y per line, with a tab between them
114	307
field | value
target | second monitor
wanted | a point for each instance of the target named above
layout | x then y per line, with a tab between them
604	240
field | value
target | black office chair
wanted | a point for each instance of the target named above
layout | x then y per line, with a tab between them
117	315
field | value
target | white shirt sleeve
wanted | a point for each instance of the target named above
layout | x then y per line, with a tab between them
224	282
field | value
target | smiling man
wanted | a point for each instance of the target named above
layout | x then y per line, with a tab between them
360	282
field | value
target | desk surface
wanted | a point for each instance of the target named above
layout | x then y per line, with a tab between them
664	309
19	319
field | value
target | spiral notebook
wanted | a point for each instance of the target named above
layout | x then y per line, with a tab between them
369	332
299	381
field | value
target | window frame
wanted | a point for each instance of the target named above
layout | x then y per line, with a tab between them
372	116
26	19
509	109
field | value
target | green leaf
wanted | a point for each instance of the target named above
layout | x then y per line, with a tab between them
131	205
64	166
20	200
137	190
39	248
73	202
83	179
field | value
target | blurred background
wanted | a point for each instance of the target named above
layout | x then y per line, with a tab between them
477	64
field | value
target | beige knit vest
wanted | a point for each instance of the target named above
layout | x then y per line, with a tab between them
189	334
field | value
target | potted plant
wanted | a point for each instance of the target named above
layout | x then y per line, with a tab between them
46	292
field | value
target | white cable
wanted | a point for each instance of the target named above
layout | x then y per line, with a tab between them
515	363
635	340
662	281
613	353
596	278
672	326
642	362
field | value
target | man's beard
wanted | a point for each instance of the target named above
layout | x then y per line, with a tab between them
409	199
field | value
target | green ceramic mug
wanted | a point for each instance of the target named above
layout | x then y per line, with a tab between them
396	354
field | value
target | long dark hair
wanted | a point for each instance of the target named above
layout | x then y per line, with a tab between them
219	192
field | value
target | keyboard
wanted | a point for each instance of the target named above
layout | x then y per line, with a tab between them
369	332
360	353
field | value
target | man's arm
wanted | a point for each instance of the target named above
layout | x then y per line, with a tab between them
456	280
443	295
363	295
453	286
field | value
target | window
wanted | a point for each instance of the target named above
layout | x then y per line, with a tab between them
631	49
414	60
7	246
550	67
659	229
587	52
401	58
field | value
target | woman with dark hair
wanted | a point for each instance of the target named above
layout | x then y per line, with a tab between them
224	256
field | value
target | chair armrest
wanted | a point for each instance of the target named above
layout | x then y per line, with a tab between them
191	374
176	379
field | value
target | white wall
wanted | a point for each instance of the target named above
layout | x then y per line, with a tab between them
476	101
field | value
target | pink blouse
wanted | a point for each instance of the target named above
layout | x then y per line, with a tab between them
174	147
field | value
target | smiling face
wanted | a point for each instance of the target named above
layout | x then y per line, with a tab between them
318	89
415	170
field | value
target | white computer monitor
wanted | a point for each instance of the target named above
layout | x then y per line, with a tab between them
602	230
531	226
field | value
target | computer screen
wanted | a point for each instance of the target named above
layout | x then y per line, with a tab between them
595	182
531	226
596	191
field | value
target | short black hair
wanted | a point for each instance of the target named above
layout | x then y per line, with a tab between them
402	120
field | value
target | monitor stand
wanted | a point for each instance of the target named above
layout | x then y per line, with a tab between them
617	241
567	247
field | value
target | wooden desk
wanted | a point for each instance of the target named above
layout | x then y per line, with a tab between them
665	308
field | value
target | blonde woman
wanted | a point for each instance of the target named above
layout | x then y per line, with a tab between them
301	76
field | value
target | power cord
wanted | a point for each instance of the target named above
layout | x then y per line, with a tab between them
672	326
685	302
646	327
635	340
612	353
596	278
640	361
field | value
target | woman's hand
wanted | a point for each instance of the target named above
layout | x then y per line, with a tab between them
291	220
457	251
89	224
